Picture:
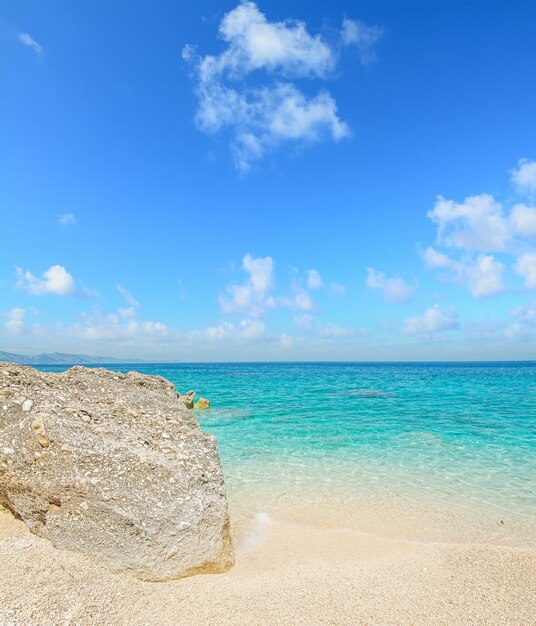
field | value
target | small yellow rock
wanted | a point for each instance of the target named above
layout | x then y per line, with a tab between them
202	403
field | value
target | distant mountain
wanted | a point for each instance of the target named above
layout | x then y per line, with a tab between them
61	358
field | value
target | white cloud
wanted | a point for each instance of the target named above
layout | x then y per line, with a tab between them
15	321
301	300
251	297
307	323
432	321
337	289
527	314
251	329
334	331
524	325
523	220
55	280
314	280
124	325
269	110
485	276
304	322
129	298
245	330
434	259
478	223
67	219
287	342
262	118
392	289
363	37
254	43
254	297
524	177
525	266
116	327
27	40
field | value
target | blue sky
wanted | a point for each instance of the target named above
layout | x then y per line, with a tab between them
240	181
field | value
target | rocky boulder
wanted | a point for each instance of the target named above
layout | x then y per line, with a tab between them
187	399
114	466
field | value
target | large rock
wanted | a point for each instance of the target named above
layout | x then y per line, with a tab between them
114	466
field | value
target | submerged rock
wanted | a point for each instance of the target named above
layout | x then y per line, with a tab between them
114	466
202	403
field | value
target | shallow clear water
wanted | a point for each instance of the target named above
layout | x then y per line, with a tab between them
464	433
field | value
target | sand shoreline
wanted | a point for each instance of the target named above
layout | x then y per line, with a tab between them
288	571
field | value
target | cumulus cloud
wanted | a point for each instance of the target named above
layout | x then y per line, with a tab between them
524	176
433	320
29	41
304	322
523	220
314	280
251	297
14	323
523	328
123	325
337	289
478	223
363	37
308	324
116	327
255	43
246	89
255	296
300	299
434	259
334	331
481	225
526	314
67	219
392	289
485	276
525	266
246	329
55	280
130	299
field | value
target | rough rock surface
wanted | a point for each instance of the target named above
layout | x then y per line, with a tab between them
114	466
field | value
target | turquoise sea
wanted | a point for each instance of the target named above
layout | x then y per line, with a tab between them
460	434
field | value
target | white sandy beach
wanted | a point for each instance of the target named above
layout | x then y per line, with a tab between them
287	572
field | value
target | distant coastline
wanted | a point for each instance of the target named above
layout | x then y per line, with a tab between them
62	358
66	358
